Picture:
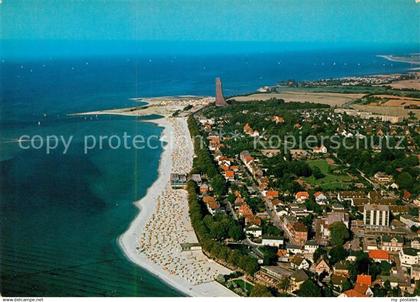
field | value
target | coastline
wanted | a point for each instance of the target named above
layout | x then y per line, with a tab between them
148	205
399	59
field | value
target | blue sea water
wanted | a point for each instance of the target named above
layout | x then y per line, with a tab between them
60	215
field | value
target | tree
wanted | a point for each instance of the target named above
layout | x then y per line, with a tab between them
346	285
309	289
317	173
385	268
284	284
249	264
218	184
318	253
235	232
339	233
270	255
405	180
260	291
337	254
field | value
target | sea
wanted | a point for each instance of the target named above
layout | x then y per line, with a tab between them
61	214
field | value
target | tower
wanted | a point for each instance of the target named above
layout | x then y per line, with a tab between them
220	100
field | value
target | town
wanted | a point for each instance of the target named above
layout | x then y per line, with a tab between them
310	220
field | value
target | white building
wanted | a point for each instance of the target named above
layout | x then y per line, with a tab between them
409	257
376	215
310	246
254	230
320	198
272	241
415	244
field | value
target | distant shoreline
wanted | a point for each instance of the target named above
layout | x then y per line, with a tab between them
401	59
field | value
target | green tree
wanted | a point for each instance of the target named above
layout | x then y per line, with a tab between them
309	289
260	291
347	285
405	180
317	173
318	253
235	232
284	284
249	264
337	254
270	255
339	233
218	184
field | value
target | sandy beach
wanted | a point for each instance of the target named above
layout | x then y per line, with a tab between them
153	240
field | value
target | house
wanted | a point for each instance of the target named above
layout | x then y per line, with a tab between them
301	196
338	281
271	194
320	150
392	243
415	244
299	210
251	132
211	204
230	175
270	152
204	188
364	279
252	220
297	279
253	230
320	198
299	262
351	293
321	266
379	256
282	255
415	272
410	220
272	275
341	268
350	195
380	280
406	195
298	154
409	257
278	119
189	247
363	289
383	178
322	225
294	249
311	246
245	210
299	233
275	241
178	181
196	178
281	211
369	244
246	157
214	142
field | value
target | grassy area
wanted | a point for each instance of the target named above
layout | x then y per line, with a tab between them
246	286
331	181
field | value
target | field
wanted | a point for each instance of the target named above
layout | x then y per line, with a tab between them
397	101
328	98
406	84
331	181
387	110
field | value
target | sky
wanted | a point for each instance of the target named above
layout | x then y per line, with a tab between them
270	21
